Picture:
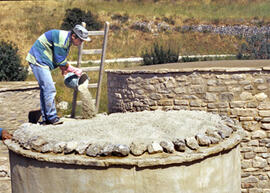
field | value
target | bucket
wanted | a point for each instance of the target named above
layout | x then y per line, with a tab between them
71	80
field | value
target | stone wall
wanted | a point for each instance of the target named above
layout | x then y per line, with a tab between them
240	93
17	99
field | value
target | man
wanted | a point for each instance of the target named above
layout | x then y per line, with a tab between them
4	134
49	52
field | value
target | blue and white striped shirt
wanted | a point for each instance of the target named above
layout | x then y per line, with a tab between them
50	49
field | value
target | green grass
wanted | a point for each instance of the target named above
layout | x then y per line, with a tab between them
207	11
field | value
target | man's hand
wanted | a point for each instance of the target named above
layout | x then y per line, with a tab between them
75	70
6	135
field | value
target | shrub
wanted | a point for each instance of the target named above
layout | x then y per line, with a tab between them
256	47
122	18
10	63
189	59
77	16
160	55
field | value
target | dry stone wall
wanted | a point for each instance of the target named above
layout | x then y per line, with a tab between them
240	93
17	99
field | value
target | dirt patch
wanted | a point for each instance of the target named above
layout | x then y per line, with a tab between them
207	64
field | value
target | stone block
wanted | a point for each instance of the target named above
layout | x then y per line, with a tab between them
155	96
244	112
149	87
5	185
197	89
264	113
246	96
153	108
259	81
223	76
252	104
154	148
259	162
253	143
247	185
250	179
266	126
235	89
179	90
237	104
264	141
255	190
198	108
245	149
263	184
217	89
211	82
217	105
261	97
262	87
246	164
259	134
249	155
250	125
181	102
238	76
195	103
260	149
244	82
226	96
248	87
181	78
192	143
197	80
265	120
265	155
165	102
230	82
246	118
210	97
264	105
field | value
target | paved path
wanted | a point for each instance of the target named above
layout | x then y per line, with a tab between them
16	100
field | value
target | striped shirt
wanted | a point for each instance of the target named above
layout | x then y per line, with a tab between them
50	49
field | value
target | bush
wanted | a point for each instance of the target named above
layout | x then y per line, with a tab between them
256	47
10	63
77	16
189	59
122	18
160	55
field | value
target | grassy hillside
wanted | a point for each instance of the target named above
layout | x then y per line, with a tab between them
23	21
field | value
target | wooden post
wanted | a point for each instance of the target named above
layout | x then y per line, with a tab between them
101	70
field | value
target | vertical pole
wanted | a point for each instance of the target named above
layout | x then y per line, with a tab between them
75	93
101	70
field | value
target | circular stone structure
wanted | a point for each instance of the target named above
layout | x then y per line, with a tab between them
149	151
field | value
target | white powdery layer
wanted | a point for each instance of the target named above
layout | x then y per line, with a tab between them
125	128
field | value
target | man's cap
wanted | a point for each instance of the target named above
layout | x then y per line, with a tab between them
81	32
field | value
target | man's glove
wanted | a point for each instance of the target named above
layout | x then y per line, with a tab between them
75	70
